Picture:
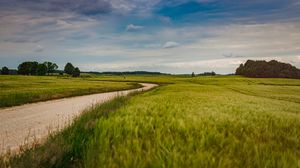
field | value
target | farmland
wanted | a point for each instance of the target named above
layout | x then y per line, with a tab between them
17	90
191	122
204	122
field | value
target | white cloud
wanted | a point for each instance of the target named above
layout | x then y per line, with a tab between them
220	49
201	48
170	44
165	19
39	49
19	27
132	27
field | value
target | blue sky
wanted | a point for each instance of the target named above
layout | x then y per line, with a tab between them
174	36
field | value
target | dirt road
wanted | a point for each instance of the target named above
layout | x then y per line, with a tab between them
23	124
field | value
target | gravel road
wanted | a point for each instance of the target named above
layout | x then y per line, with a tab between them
24	124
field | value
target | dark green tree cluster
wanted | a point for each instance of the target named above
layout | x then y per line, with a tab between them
193	74
271	69
208	74
51	67
4	71
128	73
71	70
35	68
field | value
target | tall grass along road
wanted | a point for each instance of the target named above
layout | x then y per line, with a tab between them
29	122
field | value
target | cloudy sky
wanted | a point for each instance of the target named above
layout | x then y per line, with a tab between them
174	36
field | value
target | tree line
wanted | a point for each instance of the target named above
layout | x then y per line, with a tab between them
204	74
35	68
41	69
271	69
128	73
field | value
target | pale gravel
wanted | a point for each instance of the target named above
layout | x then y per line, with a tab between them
25	124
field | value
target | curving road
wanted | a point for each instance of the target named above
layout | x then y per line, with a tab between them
26	123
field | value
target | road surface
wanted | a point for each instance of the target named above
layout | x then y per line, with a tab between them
24	124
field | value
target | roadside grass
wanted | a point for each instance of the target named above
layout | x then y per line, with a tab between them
194	122
65	148
17	90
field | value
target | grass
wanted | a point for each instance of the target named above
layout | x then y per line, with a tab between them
203	122
17	90
158	79
194	122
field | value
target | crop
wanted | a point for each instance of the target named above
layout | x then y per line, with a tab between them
17	90
193	122
203	122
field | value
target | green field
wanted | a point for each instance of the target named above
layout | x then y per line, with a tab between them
204	122
191	122
17	90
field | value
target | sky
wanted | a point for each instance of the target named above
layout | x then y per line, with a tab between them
171	36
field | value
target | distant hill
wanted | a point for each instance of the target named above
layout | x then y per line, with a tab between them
128	73
271	69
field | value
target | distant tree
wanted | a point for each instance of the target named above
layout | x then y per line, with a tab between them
28	68
193	74
239	70
76	72
271	69
33	67
41	69
5	71
51	67
69	68
25	68
212	73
